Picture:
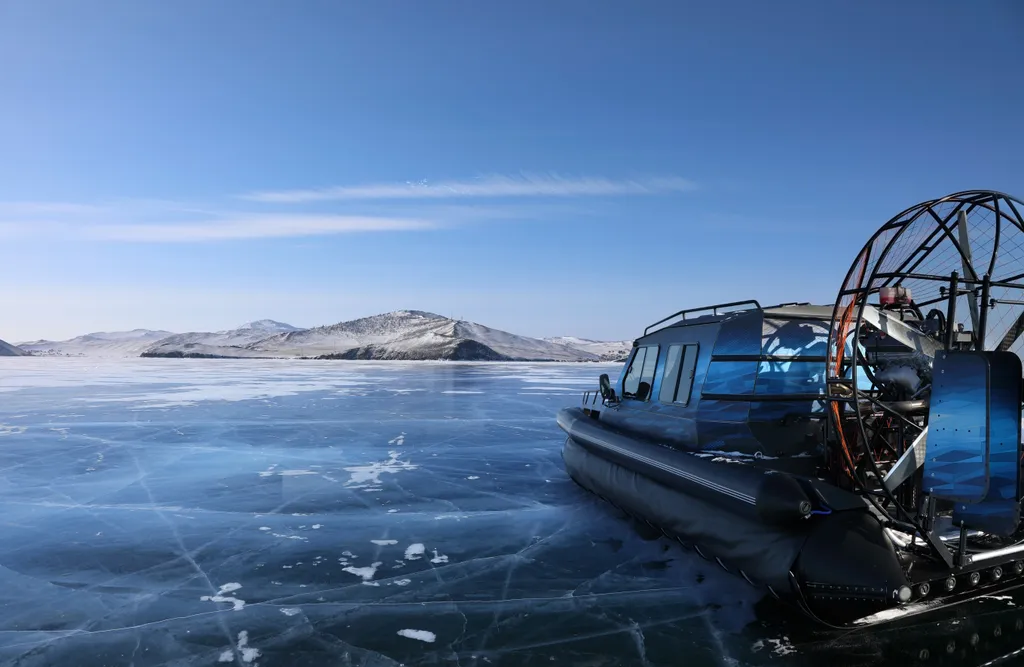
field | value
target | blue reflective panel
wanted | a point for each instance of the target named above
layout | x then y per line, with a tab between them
740	335
999	513
712	416
957	459
790	377
671	376
794	338
730	377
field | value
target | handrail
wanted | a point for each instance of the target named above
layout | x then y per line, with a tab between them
713	309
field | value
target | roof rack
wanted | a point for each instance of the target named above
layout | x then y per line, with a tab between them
787	304
714	311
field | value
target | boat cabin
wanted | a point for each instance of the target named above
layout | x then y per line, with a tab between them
735	380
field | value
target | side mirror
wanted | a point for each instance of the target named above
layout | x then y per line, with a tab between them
607	393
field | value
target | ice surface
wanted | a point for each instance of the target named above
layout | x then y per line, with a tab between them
260	523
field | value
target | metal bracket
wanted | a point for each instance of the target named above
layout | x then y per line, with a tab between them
907	464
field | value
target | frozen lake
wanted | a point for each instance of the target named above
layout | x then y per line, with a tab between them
194	512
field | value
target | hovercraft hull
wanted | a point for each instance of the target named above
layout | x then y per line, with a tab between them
819	548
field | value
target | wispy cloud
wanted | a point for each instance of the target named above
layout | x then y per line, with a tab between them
154	224
359	209
490	186
254	227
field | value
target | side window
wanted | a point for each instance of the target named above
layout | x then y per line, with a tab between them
686	374
671	378
647	374
640	375
632	380
679	369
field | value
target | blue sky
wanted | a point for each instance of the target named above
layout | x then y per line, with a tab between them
571	168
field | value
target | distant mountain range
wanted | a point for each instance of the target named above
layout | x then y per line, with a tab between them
400	335
606	351
101	344
8	350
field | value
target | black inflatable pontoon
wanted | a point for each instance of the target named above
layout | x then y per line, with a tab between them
861	460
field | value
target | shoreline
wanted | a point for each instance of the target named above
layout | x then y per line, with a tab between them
306	359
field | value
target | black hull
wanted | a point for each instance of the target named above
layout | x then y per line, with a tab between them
818	548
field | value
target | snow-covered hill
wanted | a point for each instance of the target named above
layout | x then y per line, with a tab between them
403	334
415	334
607	350
8	350
230	343
100	344
267	326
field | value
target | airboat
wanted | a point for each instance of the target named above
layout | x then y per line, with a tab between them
859	460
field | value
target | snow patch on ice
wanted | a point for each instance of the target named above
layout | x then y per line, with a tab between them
221	596
384	543
473	477
291	611
368	476
398	439
782	646
415	551
421	635
402	582
459	391
7	429
438	559
248	654
366	573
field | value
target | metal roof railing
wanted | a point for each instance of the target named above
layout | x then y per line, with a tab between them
737	305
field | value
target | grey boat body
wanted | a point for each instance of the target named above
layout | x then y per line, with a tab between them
715	440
